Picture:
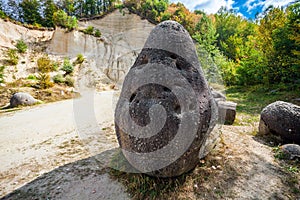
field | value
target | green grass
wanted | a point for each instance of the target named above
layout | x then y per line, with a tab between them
252	99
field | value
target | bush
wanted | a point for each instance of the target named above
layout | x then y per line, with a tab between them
97	33
2	15
21	46
2	74
80	59
44	81
89	30
59	78
60	18
13	57
69	81
31	77
45	64
67	67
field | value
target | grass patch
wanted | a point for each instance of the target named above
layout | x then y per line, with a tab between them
251	100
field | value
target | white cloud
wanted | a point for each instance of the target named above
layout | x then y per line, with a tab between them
209	6
253	4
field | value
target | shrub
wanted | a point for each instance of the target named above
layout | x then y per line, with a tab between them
69	81
2	14
2	74
21	46
31	77
45	64
44	81
59	78
13	57
67	67
97	33
89	30
61	18
80	59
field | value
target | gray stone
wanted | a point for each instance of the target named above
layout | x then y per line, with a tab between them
218	96
281	119
291	151
227	112
166	110
22	98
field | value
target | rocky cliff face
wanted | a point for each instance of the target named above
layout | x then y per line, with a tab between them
123	36
10	32
107	58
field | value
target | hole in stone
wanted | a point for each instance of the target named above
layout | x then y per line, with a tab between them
145	60
167	89
132	97
177	108
173	56
178	65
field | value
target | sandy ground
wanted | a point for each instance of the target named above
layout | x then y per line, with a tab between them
39	139
61	151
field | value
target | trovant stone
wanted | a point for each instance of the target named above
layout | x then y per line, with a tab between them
166	110
281	119
22	98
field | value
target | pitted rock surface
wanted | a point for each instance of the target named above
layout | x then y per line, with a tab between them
149	86
282	119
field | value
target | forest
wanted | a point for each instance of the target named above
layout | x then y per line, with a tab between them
231	48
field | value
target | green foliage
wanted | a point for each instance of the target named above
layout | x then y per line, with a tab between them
59	78
12	56
2	14
31	77
30	11
60	18
21	46
2	74
67	67
44	81
50	9
92	31
97	33
69	81
79	59
45	64
89	30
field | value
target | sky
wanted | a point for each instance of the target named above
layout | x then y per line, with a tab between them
246	8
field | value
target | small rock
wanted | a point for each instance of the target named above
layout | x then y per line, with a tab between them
227	112
292	151
281	119
22	98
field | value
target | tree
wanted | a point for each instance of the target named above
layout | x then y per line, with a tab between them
30	11
60	18
50	9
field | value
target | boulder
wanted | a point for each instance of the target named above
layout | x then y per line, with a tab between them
227	112
22	98
165	111
218	96
291	151
281	119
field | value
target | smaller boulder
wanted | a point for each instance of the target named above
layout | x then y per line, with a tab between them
227	112
218	96
281	119
291	151
22	98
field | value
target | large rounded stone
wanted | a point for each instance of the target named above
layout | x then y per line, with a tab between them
282	119
22	98
291	151
166	110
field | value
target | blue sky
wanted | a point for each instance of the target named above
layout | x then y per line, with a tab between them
247	8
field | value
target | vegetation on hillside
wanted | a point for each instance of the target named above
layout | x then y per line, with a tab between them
231	48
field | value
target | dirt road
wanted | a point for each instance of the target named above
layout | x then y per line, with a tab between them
37	140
